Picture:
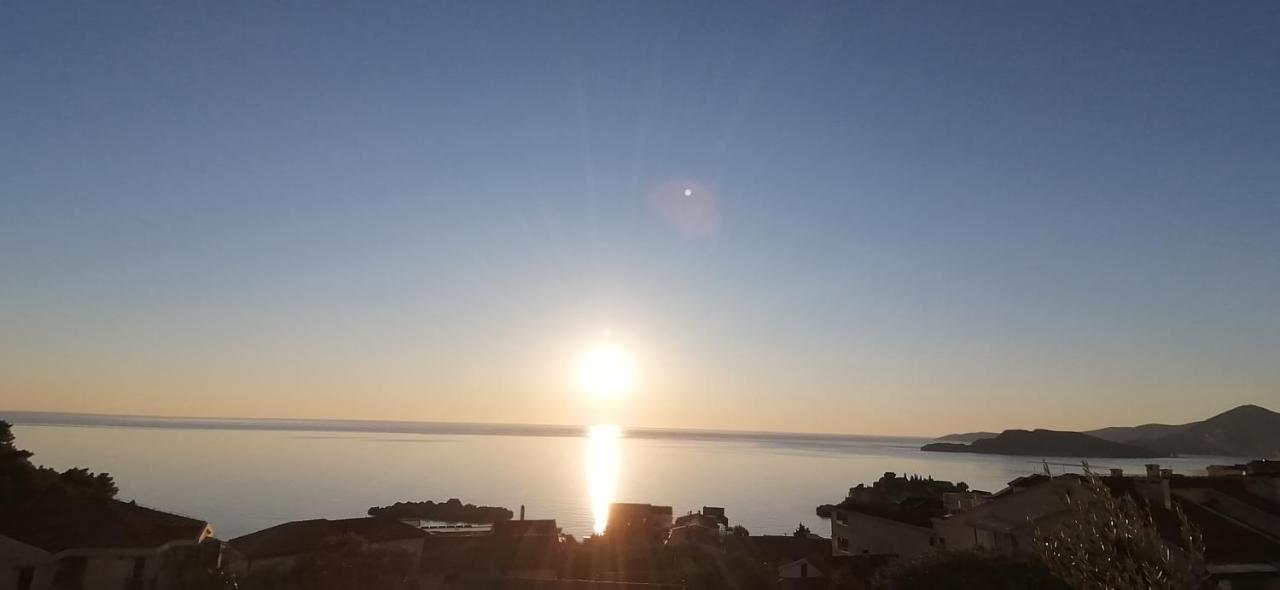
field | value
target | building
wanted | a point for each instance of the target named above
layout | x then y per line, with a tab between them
526	550
1238	517
634	519
1007	521
98	544
695	528
542	529
894	515
708	525
716	512
865	527
278	550
801	562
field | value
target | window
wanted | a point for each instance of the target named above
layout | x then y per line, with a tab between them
70	572
842	543
25	577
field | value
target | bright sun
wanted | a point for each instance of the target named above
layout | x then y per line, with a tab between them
606	371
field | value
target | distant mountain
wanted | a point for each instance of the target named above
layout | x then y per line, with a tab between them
1047	443
1246	431
967	437
1137	434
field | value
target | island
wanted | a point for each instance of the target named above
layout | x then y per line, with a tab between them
1047	443
452	511
967	437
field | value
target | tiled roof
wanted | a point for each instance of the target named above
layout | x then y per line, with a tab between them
56	524
305	536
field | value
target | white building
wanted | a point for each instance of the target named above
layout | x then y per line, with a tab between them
96	544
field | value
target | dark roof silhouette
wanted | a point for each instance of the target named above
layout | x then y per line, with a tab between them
917	511
1225	540
56	524
1023	482
784	549
695	519
526	528
306	536
489	553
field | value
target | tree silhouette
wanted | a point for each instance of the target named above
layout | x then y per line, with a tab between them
20	480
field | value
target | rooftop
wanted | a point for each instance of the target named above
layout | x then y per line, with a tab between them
305	536
916	512
56	524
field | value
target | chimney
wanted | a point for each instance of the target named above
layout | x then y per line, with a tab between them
1153	470
522	512
1117	472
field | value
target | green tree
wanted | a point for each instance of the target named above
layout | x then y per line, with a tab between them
6	435
21	480
1110	541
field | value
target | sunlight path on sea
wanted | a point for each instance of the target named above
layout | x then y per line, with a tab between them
604	468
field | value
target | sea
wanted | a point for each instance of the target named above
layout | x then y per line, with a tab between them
246	475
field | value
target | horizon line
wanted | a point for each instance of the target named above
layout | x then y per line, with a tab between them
90	419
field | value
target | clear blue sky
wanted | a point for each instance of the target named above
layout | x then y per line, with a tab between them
931	216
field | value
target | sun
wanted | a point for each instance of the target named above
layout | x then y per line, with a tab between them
606	371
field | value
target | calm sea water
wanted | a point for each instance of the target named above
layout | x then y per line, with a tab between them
245	479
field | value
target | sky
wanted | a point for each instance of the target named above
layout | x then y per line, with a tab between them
900	218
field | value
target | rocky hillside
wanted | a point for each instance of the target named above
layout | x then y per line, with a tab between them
1247	431
1047	443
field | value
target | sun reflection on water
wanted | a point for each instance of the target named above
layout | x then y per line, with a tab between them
604	466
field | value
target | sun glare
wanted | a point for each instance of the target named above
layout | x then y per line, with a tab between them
604	468
606	371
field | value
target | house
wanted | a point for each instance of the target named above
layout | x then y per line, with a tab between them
1007	522
904	529
706	526
527	549
893	516
545	529
801	562
516	549
281	548
716	512
98	544
1237	518
695	528
628	519
954	502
